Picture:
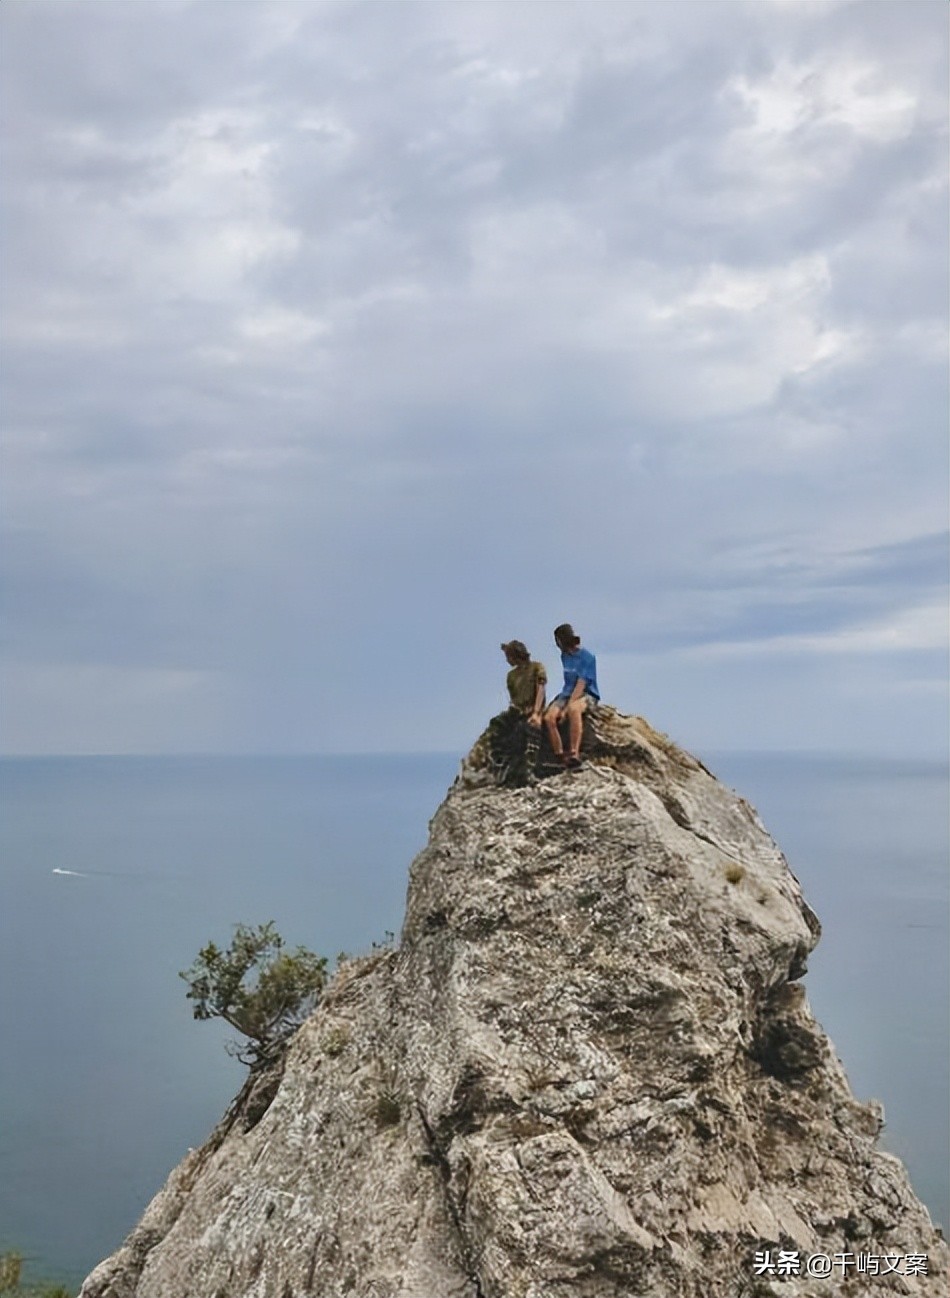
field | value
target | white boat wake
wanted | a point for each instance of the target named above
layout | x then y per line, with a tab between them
109	874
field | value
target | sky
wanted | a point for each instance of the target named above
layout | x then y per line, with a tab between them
343	341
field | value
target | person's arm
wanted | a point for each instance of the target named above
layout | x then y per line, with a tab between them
538	708
535	718
582	682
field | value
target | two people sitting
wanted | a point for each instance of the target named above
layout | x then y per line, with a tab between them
515	735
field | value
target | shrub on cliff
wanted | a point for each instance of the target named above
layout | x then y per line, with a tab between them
11	1269
258	987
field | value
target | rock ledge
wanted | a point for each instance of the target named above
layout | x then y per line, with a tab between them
589	1070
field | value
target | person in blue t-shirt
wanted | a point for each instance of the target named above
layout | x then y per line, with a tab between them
579	694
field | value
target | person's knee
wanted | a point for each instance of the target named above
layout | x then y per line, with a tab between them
576	708
552	717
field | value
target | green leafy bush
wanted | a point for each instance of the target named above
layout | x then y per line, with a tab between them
11	1265
11	1270
258	987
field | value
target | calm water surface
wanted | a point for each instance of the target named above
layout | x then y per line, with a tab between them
105	1080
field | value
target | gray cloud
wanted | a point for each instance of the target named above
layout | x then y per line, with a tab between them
376	333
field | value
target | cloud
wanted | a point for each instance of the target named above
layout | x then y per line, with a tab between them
793	98
395	325
920	628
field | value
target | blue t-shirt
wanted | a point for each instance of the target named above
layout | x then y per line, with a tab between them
579	663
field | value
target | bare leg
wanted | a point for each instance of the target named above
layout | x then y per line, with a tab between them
575	718
551	718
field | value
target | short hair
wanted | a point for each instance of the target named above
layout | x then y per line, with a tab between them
518	649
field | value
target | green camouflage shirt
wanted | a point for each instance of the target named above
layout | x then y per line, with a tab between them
523	682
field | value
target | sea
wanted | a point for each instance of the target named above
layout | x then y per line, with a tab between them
115	871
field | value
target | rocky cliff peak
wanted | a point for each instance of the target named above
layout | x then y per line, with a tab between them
588	1070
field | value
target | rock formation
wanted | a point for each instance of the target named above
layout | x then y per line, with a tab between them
588	1070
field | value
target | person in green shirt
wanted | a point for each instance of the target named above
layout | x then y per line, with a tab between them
514	735
526	682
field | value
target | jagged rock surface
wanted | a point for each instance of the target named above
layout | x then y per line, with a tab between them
588	1071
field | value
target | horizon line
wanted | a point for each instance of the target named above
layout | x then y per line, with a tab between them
848	754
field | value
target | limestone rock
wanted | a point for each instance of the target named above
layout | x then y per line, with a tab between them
588	1070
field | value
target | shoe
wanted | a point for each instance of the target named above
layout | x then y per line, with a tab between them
573	762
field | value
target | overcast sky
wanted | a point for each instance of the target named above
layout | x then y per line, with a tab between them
343	341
